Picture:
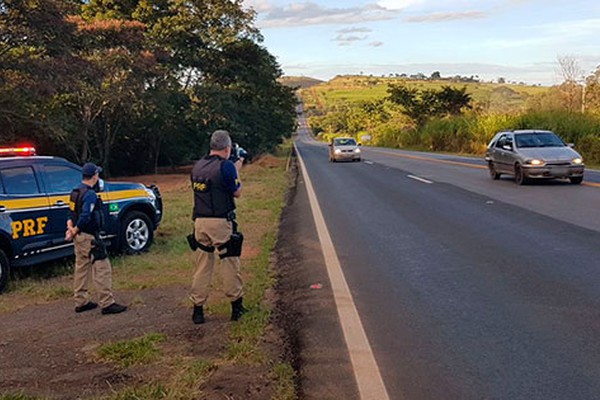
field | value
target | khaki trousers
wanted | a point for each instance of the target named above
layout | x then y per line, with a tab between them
214	232
85	272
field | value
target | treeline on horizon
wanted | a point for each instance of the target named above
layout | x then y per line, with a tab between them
137	84
440	116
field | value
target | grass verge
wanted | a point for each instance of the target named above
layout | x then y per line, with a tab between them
184	371
126	353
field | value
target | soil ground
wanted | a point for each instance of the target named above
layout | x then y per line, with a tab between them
49	351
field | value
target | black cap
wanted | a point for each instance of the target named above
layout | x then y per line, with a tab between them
90	169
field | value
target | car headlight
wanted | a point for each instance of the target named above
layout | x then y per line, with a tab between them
151	195
577	161
357	150
337	151
535	162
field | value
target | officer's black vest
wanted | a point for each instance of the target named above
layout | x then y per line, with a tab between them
212	199
76	204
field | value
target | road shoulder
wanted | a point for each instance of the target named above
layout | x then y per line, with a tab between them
306	308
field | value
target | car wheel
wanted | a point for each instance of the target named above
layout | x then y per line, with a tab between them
136	233
495	175
576	180
519	177
4	271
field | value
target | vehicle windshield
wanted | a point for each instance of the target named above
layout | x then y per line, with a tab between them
344	142
538	140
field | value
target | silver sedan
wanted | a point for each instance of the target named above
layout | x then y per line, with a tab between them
344	149
531	154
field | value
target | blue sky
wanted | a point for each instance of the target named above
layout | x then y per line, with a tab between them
519	40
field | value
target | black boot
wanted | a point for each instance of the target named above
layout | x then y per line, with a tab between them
198	316
237	309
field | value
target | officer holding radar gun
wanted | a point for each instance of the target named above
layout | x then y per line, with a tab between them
91	258
216	183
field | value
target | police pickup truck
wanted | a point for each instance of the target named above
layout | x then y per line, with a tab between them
34	208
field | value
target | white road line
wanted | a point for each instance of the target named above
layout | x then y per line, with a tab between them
369	162
419	179
366	371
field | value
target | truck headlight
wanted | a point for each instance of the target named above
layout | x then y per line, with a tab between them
357	150
337	151
577	161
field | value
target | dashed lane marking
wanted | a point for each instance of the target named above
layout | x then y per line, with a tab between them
416	178
366	371
463	164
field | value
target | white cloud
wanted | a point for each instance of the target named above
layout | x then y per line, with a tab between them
447	16
355	30
376	44
259	6
309	13
345	40
399	4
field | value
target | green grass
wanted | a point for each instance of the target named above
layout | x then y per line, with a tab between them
334	110
353	89
126	353
284	376
154	391
18	396
170	263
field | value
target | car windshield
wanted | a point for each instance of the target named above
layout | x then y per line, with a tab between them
538	140
344	142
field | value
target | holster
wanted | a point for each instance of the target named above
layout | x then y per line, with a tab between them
99	250
195	245
233	246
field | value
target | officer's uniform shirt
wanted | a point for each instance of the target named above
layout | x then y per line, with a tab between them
85	223
230	176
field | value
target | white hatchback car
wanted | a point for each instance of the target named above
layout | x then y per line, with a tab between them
344	149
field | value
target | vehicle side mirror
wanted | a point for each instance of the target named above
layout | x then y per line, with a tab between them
330	144
571	145
507	147
360	144
101	185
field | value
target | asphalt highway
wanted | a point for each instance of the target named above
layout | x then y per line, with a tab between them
467	288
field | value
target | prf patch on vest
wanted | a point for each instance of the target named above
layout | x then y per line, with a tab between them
29	227
201	186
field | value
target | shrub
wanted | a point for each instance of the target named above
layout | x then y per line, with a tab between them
589	147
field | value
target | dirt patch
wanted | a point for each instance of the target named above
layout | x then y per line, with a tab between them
171	179
166	183
267	161
50	351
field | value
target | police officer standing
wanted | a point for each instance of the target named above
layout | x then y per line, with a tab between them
91	260
215	182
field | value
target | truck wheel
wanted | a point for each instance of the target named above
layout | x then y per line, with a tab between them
136	233
576	180
4	271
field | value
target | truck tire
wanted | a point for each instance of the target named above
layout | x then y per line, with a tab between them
136	233
4	271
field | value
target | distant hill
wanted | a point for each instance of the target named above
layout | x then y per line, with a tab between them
299	81
492	97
